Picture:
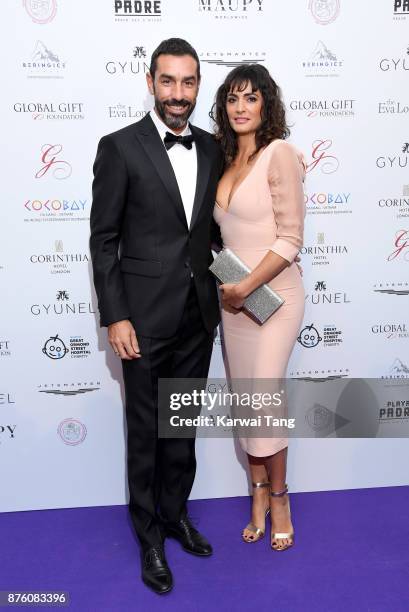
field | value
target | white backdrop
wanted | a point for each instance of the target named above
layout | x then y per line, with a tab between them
75	70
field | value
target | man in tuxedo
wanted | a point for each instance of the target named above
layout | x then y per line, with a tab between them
151	226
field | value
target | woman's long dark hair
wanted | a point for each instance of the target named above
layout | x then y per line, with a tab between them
273	123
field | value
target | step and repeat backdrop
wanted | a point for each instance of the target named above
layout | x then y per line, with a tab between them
75	70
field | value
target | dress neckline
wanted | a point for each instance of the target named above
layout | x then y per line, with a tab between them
234	191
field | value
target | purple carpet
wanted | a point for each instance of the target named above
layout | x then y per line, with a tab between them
351	553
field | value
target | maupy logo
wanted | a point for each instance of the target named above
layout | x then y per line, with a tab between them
322	158
41	11
54	348
324	11
52	162
7	431
401	246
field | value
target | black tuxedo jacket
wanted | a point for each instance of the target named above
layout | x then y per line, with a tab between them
142	250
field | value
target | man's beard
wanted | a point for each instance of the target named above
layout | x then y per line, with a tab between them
174	122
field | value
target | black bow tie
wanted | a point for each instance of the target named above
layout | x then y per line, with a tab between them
171	139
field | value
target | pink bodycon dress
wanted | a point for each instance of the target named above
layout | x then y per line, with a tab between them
266	212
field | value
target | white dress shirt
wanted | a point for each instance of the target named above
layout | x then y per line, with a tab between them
184	164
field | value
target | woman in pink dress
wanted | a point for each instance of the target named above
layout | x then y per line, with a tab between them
260	210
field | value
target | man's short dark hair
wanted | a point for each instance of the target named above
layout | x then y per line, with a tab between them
173	46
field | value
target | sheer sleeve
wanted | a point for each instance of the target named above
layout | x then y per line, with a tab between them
286	176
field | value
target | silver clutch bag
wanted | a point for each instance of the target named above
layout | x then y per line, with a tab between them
262	302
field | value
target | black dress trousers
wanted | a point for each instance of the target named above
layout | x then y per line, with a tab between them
161	471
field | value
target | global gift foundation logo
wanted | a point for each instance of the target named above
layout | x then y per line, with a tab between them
390	331
335	108
324	11
52	164
51	111
5	349
41	11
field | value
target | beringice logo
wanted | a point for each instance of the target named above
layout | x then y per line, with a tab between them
322	62
72	431
322	158
324	11
54	348
41	11
51	162
401	246
44	63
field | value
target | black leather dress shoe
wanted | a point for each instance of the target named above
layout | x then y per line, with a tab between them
191	540
155	570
